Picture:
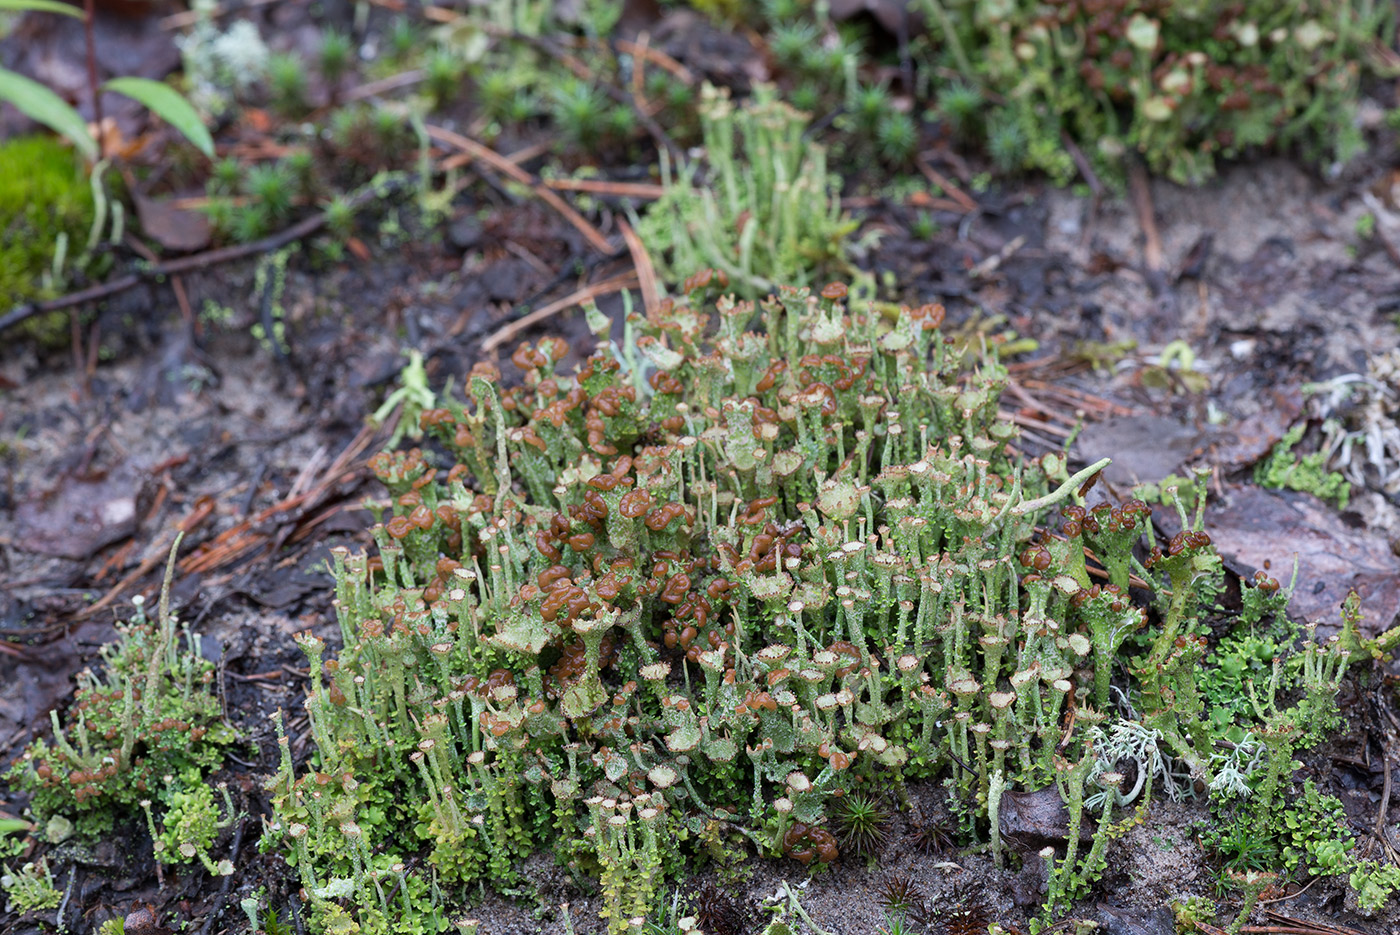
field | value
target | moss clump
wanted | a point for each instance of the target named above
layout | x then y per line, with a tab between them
145	732
1286	467
44	196
1181	83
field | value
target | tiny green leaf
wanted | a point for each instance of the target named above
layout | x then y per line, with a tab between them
39	103
12	825
169	105
42	6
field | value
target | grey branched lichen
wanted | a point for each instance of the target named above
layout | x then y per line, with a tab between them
222	65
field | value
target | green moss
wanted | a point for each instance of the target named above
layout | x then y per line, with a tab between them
45	199
192	821
1306	473
145	730
1306	835
30	888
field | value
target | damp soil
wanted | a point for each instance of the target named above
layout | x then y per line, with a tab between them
258	453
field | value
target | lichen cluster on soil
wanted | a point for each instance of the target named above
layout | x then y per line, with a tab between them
242	445
99	473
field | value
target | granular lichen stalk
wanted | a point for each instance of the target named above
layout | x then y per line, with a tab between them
713	593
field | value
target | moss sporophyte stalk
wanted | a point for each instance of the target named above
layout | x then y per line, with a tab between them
723	589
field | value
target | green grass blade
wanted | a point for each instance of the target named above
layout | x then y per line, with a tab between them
42	6
39	103
13	825
167	103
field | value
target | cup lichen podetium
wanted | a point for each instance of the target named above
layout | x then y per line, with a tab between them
685	600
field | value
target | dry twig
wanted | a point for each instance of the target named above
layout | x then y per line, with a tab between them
646	272
606	287
1152	255
512	171
964	201
640	190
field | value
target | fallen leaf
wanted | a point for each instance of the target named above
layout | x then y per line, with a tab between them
79	517
1038	816
173	228
257	119
1144	449
1257	528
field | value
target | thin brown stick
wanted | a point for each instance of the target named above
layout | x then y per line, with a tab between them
992	263
276	675
638	89
23	313
94	345
643	190
1048	428
1036	405
405	79
1082	163
1325	927
75	338
942	181
509	169
1096	572
1385	798
136	574
1086	400
1152	253
646	272
443	15
177	283
196	202
458	160
1280	899
606	287
657	58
